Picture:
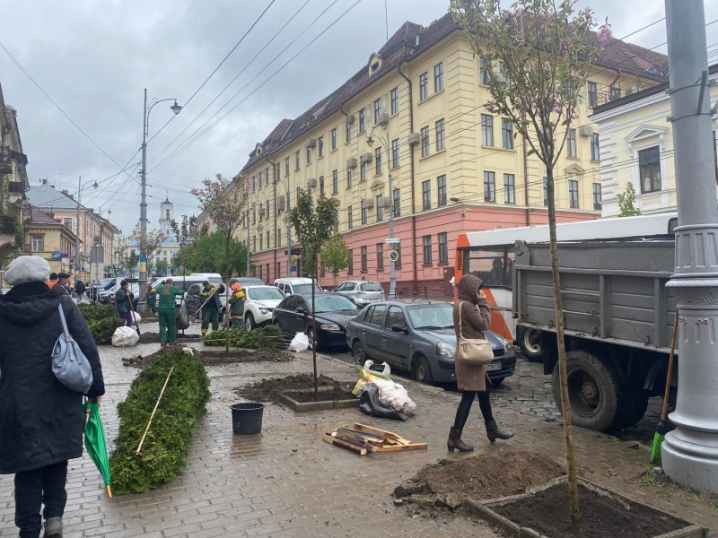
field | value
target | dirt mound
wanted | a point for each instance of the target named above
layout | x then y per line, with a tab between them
212	358
489	475
267	390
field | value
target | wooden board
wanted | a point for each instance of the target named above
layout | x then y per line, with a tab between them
344	444
399	448
387	434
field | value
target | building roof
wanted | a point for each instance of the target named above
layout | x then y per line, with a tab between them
47	197
39	217
409	41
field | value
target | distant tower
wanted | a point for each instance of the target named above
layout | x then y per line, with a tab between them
166	218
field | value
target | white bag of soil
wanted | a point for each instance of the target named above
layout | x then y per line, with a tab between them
125	337
300	343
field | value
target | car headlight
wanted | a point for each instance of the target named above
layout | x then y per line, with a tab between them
445	350
329	327
508	346
263	311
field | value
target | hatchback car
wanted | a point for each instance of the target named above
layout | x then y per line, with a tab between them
260	304
361	292
333	311
419	338
296	285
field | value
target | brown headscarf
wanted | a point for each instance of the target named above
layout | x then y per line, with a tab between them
469	288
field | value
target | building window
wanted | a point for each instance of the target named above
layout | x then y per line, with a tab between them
377	111
426	194
296	160
423	86
350	220
595	148
299	193
254	216
254	241
397	203
440	136
394	98
286	166
334	139
68	222
425	150
279	238
268	246
321	146
377	160
288	208
362	171
441	189
261	243
545	191
489	187
379	207
335	181
443	248
380	256
487	130
571	143
395	153
321	186
615	93
507	134
37	243
309	155
349	178
350	267
592	94
336	224
573	193
438	77
254	183
348	131
483	73
362	121
364	215
364	259
509	189
597	204
649	163
427	250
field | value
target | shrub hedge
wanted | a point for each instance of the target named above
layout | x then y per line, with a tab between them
166	447
102	321
263	338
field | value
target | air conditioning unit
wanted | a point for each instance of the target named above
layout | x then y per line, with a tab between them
352	162
386	203
383	118
366	158
367	204
586	130
312	183
280	204
413	138
350	120
312	142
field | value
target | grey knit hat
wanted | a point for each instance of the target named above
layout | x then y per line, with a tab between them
27	269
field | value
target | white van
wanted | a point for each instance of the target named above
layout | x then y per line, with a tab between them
297	285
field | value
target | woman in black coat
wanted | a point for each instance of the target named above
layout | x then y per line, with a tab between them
41	421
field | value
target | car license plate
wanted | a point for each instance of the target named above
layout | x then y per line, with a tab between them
493	367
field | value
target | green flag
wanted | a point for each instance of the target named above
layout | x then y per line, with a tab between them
95	442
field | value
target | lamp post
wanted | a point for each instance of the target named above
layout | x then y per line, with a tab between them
143	204
385	143
101	249
289	229
80	186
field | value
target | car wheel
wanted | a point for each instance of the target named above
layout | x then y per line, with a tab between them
421	371
593	390
249	322
358	353
529	341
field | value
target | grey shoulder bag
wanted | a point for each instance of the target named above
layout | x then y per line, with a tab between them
474	351
69	363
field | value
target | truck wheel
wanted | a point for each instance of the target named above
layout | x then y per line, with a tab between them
529	340
634	402
593	391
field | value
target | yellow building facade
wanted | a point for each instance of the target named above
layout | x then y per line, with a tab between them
51	240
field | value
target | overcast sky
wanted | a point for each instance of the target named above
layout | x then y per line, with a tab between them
94	59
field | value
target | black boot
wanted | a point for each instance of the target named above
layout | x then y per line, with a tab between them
455	442
493	431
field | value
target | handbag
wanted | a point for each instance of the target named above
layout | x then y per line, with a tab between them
69	364
474	351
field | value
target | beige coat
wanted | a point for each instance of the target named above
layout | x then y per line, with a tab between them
475	319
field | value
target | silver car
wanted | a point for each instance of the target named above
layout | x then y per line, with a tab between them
361	292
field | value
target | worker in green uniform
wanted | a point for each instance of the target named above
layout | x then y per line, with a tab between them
151	296
167	313
210	297
236	306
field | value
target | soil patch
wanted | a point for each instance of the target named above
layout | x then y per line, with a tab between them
212	358
547	513
322	395
489	475
267	390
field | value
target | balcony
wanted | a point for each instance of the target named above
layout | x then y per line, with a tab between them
5	160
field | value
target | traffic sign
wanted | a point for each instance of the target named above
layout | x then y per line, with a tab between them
392	240
393	256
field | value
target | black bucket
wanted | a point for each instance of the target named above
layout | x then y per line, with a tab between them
247	418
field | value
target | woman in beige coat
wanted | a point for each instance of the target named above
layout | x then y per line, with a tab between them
471	379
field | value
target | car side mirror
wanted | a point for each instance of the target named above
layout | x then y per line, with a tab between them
400	329
301	310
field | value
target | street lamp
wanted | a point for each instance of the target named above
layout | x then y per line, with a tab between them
143	204
385	143
289	229
80	186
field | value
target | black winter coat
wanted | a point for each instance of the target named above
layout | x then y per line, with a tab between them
41	421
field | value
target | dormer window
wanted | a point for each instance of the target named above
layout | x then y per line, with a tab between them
374	67
258	150
374	63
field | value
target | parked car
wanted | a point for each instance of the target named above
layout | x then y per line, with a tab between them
333	311
361	292
95	289
260	304
247	281
104	296
419	338
297	285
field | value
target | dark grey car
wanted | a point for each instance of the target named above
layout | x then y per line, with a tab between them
419	338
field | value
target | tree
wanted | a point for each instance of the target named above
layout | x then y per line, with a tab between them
226	203
537	55
626	201
336	255
207	254
314	226
132	260
162	266
186	234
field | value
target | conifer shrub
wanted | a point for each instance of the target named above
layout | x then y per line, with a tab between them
102	321
262	338
166	446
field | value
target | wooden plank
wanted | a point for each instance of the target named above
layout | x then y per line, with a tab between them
344	444
361	435
348	437
399	448
365	428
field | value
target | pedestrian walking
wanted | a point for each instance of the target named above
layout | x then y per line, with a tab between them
52	280
62	286
122	302
80	290
210	314
151	296
41	421
236	304
472	317
167	313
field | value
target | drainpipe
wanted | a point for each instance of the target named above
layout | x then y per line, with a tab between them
413	203
618	75
526	184
274	184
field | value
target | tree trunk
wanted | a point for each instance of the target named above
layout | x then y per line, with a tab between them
228	273
314	334
565	405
